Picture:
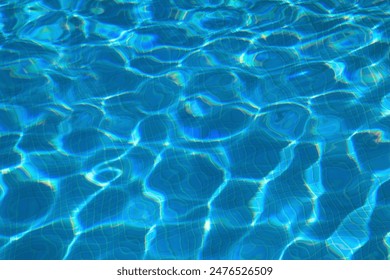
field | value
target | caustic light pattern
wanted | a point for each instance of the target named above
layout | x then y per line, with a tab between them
194	129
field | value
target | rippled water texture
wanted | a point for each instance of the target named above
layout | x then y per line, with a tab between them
194	129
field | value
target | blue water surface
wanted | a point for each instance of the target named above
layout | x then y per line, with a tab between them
194	129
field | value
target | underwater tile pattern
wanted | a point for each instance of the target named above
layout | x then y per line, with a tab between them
194	129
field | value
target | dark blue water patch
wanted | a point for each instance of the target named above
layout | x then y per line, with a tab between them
12	82
155	128
353	183
383	194
305	154
221	241
8	142
380	221
84	140
61	84
374	249
262	242
25	200
151	65
46	243
53	4
373	153
55	164
249	81
254	155
338	173
10	159
120	242
163	10
113	13
383	28
9	13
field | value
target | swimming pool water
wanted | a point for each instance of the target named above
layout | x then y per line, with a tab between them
194	129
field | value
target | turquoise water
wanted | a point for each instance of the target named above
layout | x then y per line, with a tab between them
194	129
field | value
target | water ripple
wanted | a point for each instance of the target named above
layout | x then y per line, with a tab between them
203	129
